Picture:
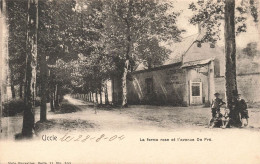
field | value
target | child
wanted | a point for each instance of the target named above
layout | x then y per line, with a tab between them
242	108
216	121
226	118
216	104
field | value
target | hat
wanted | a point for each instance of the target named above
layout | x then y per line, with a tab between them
217	94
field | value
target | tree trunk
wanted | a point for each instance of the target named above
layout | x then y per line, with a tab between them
31	63
43	83
51	100
56	97
12	86
106	95
124	87
100	95
21	91
52	90
230	53
128	54
3	53
96	97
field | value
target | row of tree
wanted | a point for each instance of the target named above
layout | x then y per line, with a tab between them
60	46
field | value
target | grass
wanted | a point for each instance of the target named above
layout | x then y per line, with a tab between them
63	124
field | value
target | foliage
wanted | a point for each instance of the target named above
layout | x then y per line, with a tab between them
17	40
249	58
55	28
132	24
13	107
209	14
251	50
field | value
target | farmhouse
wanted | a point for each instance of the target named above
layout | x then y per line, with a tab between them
191	76
186	78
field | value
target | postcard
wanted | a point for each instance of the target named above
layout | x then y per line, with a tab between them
129	81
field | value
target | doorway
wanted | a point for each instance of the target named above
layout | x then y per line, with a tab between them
195	93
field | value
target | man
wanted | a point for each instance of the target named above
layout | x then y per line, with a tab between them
216	104
241	106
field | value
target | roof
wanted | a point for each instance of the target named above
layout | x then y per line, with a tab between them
197	63
187	52
180	48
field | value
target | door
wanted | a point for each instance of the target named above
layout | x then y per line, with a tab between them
195	93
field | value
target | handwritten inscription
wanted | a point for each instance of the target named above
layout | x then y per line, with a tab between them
83	138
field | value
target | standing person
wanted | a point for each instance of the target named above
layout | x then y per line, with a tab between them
241	106
216	104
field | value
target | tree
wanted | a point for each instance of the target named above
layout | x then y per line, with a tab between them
56	26
210	15
3	54
43	83
230	53
17	43
31	63
130	24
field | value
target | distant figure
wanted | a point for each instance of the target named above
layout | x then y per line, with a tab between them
241	106
216	121
216	104
226	118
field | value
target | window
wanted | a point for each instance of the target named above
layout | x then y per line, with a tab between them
195	89
149	85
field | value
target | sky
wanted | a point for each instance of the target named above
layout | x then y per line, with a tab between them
252	34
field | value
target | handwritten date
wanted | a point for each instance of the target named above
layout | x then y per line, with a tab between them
84	138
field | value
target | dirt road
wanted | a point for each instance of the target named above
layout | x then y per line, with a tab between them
134	118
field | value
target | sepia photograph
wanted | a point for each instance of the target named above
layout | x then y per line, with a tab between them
129	81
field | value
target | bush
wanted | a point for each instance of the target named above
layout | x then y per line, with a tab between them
37	101
13	107
68	108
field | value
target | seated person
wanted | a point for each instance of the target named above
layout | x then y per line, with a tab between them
216	121
226	118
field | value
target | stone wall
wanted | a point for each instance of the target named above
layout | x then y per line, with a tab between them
248	86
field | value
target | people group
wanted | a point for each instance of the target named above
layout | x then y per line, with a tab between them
224	120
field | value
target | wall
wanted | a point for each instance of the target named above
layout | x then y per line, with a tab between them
248	86
168	86
205	52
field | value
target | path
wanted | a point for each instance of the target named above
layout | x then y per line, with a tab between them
147	117
110	120
134	118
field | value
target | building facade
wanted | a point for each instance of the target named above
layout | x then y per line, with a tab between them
191	76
